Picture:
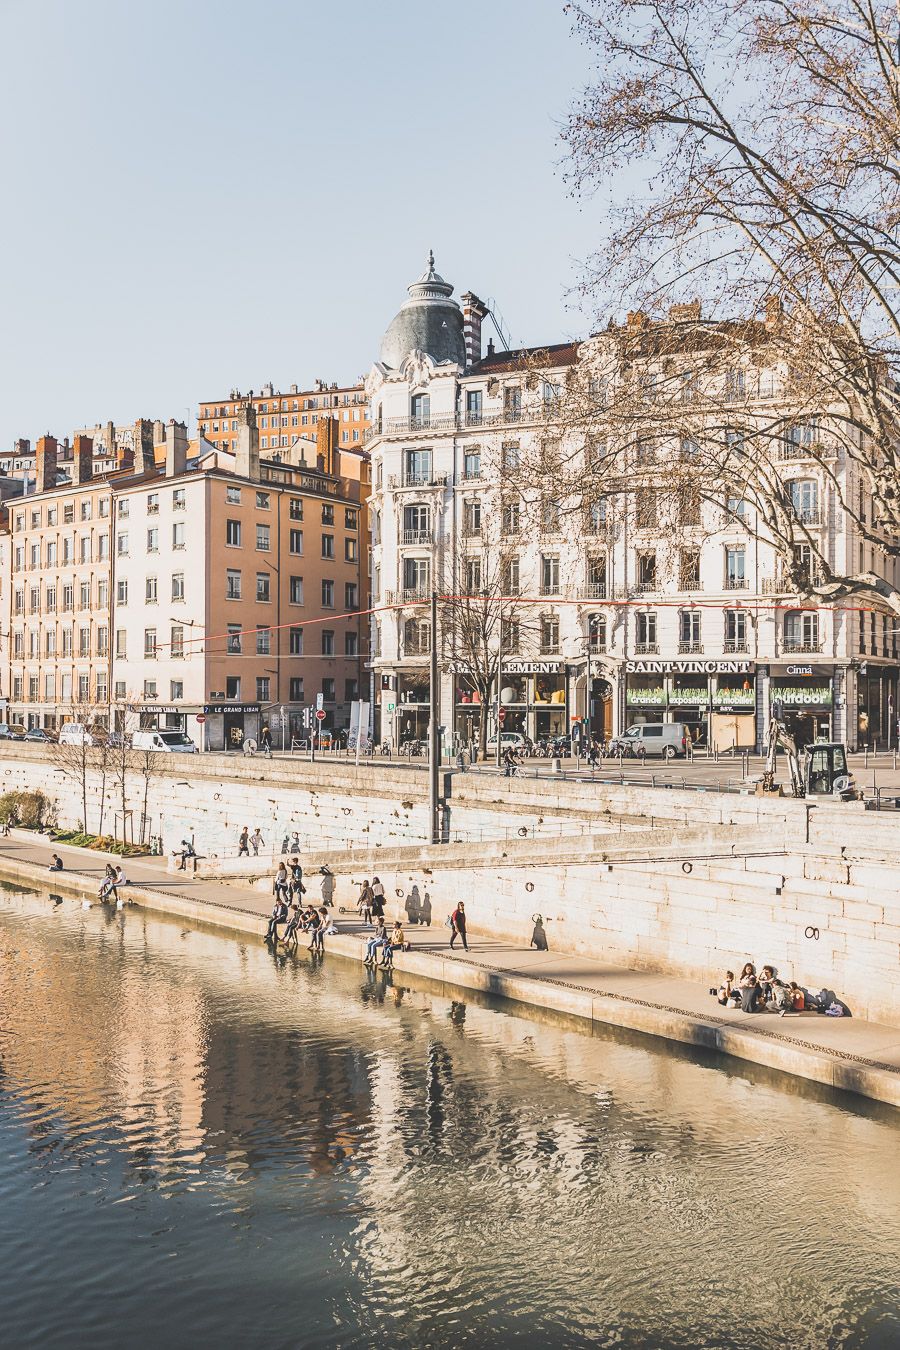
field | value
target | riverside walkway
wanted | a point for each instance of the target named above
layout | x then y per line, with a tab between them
845	1053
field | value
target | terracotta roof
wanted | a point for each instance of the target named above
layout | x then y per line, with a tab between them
556	354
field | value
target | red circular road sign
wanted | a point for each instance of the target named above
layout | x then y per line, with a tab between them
320	714
201	718
502	715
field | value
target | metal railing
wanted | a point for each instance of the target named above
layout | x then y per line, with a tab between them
646	648
797	647
684	648
735	583
416	537
411	595
418	480
460	421
593	590
733	645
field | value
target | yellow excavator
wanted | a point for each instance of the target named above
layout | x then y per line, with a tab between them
820	771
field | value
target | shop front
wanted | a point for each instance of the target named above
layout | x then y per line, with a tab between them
733	720
715	699
645	696
688	702
534	701
413	706
805	694
876	706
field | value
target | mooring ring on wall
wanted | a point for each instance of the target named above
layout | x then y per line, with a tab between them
529	886
217	796
399	892
537	918
346	810
687	867
523	830
811	932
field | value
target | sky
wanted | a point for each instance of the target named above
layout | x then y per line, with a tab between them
208	194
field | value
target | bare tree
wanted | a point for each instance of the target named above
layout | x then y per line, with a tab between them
776	196
79	759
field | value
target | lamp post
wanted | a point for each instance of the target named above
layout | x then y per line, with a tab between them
499	684
433	739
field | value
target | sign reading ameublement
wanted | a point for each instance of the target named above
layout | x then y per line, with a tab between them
689	666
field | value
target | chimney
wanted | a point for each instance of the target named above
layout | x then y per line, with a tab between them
144	437
176	448
326	443
111	440
84	459
22	449
45	464
246	464
474	311
774	311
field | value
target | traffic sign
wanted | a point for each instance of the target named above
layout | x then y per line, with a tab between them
320	703
391	707
320	714
201	718
502	715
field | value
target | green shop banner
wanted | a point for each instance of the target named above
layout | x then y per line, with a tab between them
653	696
803	695
735	698
684	696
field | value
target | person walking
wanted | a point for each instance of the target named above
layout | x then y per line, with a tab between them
458	925
327	886
281	886
297	887
364	903
257	841
244	843
265	741
377	899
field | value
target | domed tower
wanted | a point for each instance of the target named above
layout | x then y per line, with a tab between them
429	322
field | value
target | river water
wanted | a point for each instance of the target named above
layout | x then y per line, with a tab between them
203	1146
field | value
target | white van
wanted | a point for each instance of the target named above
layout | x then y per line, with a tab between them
663	740
169	741
74	733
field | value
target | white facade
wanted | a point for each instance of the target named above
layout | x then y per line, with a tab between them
679	621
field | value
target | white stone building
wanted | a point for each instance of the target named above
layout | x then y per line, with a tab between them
694	624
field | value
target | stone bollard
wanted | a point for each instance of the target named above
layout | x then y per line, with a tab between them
556	764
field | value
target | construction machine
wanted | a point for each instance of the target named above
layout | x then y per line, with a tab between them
821	771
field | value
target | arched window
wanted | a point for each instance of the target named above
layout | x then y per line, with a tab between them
597	632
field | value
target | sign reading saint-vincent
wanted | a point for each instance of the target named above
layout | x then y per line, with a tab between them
689	667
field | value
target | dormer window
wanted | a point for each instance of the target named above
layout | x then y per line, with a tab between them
420	410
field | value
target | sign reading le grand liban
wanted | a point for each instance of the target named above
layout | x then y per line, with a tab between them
689	667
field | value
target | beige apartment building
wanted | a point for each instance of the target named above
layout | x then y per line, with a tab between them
199	584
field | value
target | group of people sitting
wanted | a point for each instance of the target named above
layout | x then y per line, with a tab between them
766	992
114	877
386	942
289	909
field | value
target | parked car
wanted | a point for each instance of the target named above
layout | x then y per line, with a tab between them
41	735
661	740
75	733
170	741
511	740
7	733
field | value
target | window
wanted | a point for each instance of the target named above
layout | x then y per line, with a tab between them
51	553
351	691
736	507
472	464
152	503
296	642
50	687
263	501
104	508
84	547
295	543
550	515
351	519
296	591
233	533
472	517
84	641
735	630
351	550
68	597
262	538
551	394
351	644
328	690
735	562
67	641
327	545
176	636
327	513
509	576
103	547
232	584
50	600
510	517
473	406
473	576
550	635
50	642
262	689
420	411
645	509
150	689
689	631
646	632
417	576
233	496
295	689
805	500
123	509
328	594
801	631
122	591
177	585
327	642
52	515
351	595
121	644
689	570
263	641
549	574
149	644
84	688
176	690
416	467
68	513
178	534
597	632
295	509
509	456
596	578
84	595
153	540
263	588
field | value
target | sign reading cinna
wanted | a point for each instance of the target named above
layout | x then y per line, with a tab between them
686	667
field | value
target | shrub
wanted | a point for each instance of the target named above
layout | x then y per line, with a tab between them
34	810
9	806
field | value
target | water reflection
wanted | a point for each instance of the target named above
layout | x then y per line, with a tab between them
310	1154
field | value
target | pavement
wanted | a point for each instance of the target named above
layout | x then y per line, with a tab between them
847	1053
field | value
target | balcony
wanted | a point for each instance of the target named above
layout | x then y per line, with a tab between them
593	590
735	645
690	648
462	421
416	537
471	475
800	647
411	595
597	648
397	482
735	583
549	590
812	518
645	587
549	649
817	449
646	648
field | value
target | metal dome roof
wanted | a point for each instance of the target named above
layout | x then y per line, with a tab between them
429	321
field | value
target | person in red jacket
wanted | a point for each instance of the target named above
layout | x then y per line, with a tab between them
458	925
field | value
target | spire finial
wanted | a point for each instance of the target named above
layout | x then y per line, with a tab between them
431	259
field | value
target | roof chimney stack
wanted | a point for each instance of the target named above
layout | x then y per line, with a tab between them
176	448
144	437
83	468
45	463
474	311
246	463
